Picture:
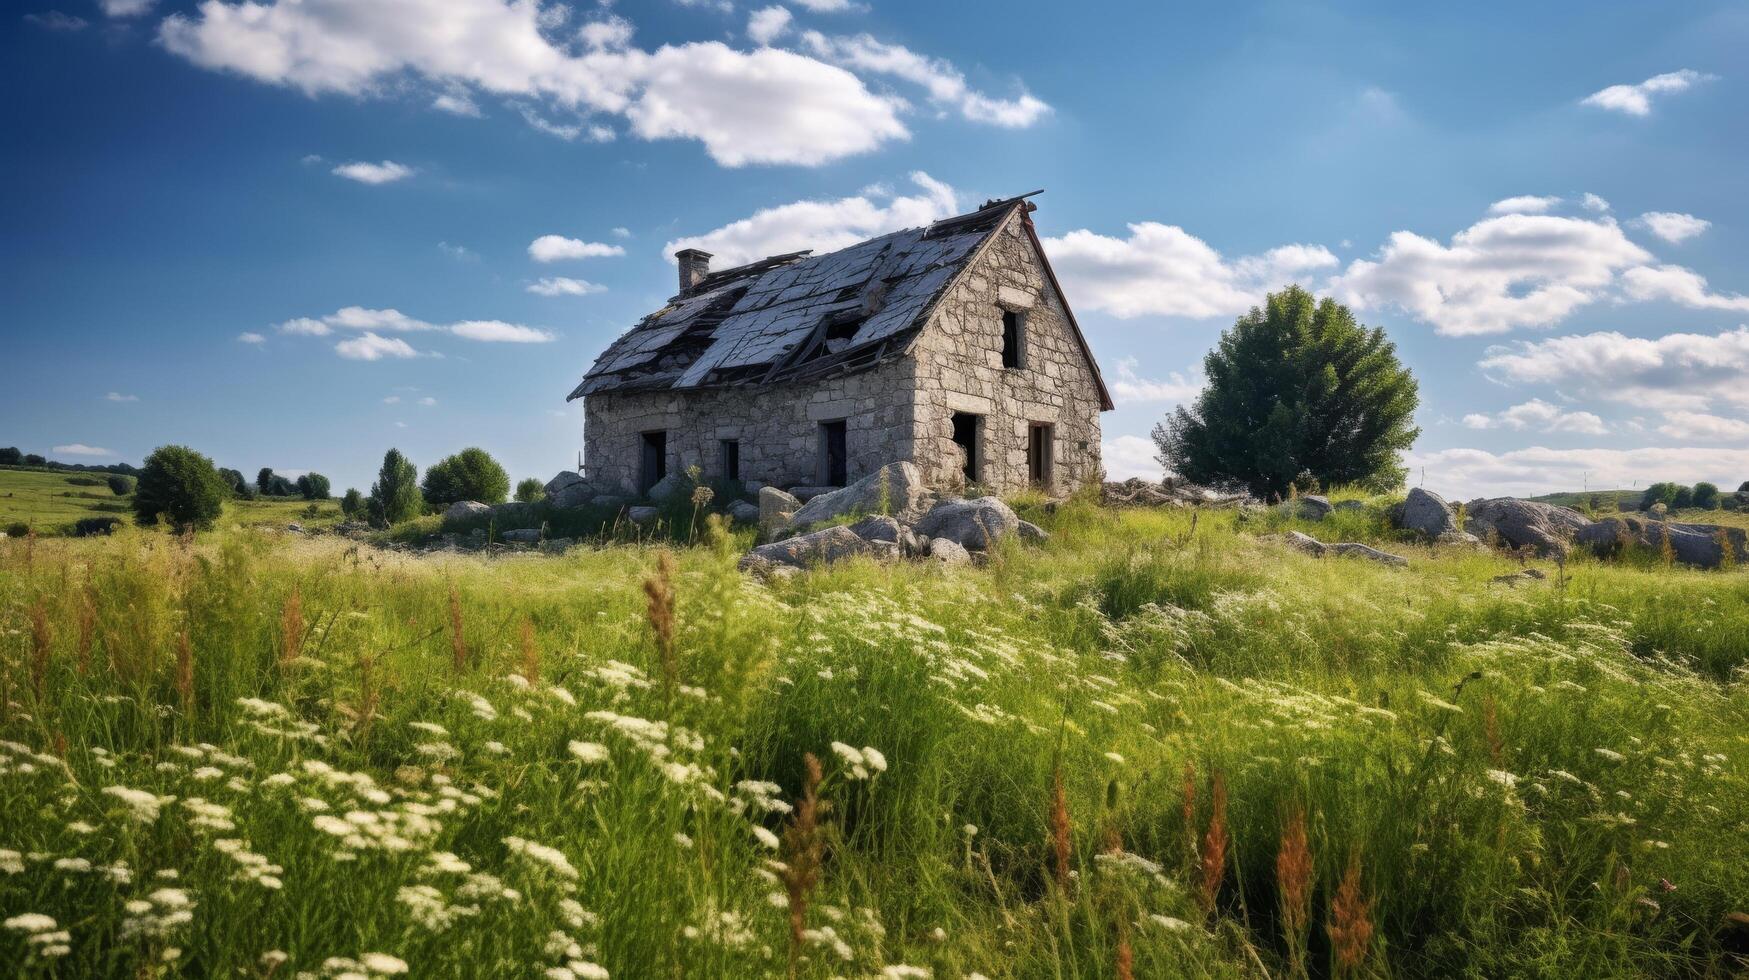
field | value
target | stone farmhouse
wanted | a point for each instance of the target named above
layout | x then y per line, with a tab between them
950	346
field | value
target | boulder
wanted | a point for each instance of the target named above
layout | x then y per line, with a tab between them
642	515
554	546
895	489
295	528
821	547
1701	545
776	507
671	486
521	535
972	524
949	552
513	513
464	510
1427	513
805	494
1350	505
1356	550
743	512
1300	541
613	500
878	527
1031	533
567	490
1544	528
1308	508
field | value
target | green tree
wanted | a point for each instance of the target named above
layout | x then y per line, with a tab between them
10	456
33	459
1299	394
1684	498
394	497
234	481
471	474
352	503
180	485
120	485
530	490
1659	493
264	480
313	486
1706	496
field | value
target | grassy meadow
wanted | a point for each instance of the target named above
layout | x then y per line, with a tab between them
50	502
1159	745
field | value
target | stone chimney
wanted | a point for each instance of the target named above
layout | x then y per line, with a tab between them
694	265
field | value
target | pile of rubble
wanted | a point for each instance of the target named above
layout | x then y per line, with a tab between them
1137	492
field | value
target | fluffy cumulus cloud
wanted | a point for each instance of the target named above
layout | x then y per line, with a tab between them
80	449
555	248
827	6
1704	427
1675	372
1675	284
1175	389
372	324
386	172
767	24
372	347
944	83
116	396
125	8
1540	416
564	286
1673	227
1636	100
1524	204
1465	473
1164	270
822	226
1508	271
1127	456
251	337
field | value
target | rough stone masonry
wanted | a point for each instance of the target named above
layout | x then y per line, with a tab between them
949	346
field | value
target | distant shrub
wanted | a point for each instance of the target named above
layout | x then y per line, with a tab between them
471	474
181	485
264	479
530	490
1706	496
10	456
313	486
235	482
395	496
1659	493
120	485
1684	498
84	481
90	526
352	503
32	459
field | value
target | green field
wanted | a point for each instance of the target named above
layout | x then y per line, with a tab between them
51	501
263	755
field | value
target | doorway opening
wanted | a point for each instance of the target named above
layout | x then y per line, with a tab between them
834	455
655	460
965	435
1041	437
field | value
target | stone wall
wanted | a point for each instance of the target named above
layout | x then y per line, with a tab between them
959	369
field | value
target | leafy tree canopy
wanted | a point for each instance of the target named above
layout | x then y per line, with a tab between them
313	486
352	503
180	485
471	474
530	490
394	497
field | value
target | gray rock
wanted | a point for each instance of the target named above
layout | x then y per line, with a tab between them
1351	505
1516	523
912	544
1427	513
805	494
1032	534
556	546
608	500
521	535
1308	508
822	547
1355	550
567	490
895	489
878	528
972	524
1300	541
295	528
743	512
463	510
776	507
949	552
512	513
671	486
642	515
1692	544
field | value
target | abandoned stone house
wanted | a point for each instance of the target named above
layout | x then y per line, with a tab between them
951	346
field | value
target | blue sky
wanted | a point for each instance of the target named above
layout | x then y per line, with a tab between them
293	234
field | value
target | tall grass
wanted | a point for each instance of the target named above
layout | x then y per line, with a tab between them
1141	749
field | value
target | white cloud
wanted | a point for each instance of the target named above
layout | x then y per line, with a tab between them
746	107
827	6
125	8
1636	100
251	337
1524	204
1127	456
374	173
1593	203
563	286
553	248
622	233
497	331
823	226
1176	388
1541	416
372	347
80	449
54	20
461	253
767	24
944	83
1678	371
1672	226
1164	270
116	396
1678	285
1514	270
392	400
364	318
1465	473
1704	427
428	401
456	104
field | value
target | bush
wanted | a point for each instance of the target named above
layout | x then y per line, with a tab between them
1706	496
10	456
313	486
395	496
1659	493
1684	498
181	485
32	459
17	529
471	474
264	479
234	481
120	485
89	526
530	490
352	503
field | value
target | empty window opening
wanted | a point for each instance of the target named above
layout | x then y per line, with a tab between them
1013	339
834	457
965	435
1040	439
731	458
655	460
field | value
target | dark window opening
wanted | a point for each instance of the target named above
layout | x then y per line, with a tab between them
834	455
731	453
965	435
1040	439
655	460
1013	339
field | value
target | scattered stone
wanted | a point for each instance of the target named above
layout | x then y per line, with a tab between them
1427	513
1513	578
949	552
609	500
1516	523
463	510
567	490
1308	508
776	507
896	489
1300	541
1137	492
1032	534
1312	546
513	513
742	512
1701	545
295	528
671	486
822	547
805	494
642	515
1350	505
972	524
554	546
878	528
523	535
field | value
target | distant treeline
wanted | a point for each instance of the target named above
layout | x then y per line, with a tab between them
11	456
